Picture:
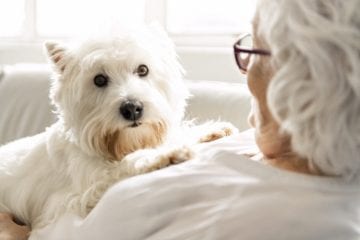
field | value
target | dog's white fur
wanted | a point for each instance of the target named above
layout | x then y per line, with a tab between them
91	146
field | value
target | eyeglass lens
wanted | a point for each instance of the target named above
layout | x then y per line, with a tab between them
243	57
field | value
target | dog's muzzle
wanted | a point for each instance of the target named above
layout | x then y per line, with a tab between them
132	110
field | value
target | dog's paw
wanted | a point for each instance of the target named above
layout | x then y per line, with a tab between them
178	155
171	157
218	130
152	160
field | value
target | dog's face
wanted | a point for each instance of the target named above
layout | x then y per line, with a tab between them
118	95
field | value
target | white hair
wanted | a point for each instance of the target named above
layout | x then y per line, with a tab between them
315	92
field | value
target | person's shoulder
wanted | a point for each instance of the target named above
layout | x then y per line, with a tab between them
223	185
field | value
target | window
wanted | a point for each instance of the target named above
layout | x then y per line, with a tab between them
71	18
209	16
11	18
196	22
203	30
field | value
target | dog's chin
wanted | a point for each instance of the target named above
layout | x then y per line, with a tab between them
135	124
115	144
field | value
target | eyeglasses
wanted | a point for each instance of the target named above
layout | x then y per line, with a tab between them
243	50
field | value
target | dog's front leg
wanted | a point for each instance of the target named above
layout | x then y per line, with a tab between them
148	160
208	131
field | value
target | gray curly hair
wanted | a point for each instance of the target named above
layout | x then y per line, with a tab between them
315	92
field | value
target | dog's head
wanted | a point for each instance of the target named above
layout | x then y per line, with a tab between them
116	95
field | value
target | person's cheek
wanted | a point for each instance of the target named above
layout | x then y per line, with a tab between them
251	116
251	76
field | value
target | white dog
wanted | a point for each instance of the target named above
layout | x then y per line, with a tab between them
120	104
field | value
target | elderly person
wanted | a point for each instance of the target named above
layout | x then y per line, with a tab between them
303	72
307	90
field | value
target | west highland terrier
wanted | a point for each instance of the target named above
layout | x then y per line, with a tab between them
120	103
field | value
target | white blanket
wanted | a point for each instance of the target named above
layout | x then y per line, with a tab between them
219	195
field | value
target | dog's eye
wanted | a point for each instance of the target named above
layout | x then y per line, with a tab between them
142	70
101	80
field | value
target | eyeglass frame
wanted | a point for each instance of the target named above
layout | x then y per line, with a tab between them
238	49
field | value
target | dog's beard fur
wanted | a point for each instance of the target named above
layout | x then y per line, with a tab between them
114	144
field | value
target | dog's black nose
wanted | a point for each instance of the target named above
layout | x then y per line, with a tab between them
131	110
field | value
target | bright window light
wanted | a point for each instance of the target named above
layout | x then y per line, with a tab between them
11	17
31	20
76	17
209	16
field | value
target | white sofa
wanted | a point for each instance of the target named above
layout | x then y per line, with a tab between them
25	109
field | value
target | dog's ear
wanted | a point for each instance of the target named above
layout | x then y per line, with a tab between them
57	55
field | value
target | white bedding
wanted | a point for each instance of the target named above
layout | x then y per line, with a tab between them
219	195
